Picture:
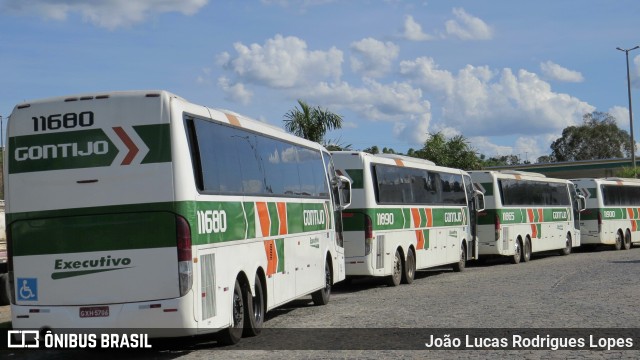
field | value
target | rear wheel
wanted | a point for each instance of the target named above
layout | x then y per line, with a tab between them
321	297
627	240
517	252
409	268
526	250
462	262
233	334
254	310
396	272
618	244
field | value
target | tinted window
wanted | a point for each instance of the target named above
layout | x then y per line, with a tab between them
533	193
615	195
403	185
231	160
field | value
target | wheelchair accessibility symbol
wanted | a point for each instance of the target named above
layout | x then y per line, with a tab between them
28	289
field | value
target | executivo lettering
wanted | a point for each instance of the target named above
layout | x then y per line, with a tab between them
88	266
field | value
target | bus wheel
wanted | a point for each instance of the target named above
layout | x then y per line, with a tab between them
254	310
618	244
526	251
517	252
567	247
409	268
462	262
627	240
321	297
233	334
396	271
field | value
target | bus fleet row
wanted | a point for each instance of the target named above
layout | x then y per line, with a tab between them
142	210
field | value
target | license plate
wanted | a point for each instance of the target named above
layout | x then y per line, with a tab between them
94	311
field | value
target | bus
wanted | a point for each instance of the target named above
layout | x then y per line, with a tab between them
612	216
527	213
139	209
406	214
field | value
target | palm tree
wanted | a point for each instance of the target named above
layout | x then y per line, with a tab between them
311	123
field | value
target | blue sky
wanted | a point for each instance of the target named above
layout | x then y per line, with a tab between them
508	75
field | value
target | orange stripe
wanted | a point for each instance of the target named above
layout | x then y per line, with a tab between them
282	215
630	212
398	162
233	120
272	257
530	214
415	214
540	215
429	217
634	225
263	215
420	238
534	231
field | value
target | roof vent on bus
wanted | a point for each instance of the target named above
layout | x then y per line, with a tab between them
152	95
622	179
70	99
406	158
24	106
523	173
102	97
86	98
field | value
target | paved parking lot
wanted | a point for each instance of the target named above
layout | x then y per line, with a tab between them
586	290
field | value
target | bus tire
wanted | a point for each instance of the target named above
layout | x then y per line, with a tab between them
4	290
627	241
233	334
526	250
409	272
396	271
567	246
462	262
517	252
618	244
254	310
321	297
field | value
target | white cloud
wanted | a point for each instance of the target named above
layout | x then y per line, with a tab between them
282	62
110	14
556	72
485	102
413	31
235	92
621	114
372	57
467	27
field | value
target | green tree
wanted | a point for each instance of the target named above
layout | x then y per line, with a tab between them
454	152
372	150
599	137
311	123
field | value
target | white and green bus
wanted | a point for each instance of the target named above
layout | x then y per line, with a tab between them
406	214
141	210
526	213
612	216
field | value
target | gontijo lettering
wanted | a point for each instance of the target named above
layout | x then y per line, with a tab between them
61	150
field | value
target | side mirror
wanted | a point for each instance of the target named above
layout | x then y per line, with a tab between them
344	188
582	203
479	199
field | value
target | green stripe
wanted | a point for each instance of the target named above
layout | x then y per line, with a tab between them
142	226
157	137
68	274
109	232
400	218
